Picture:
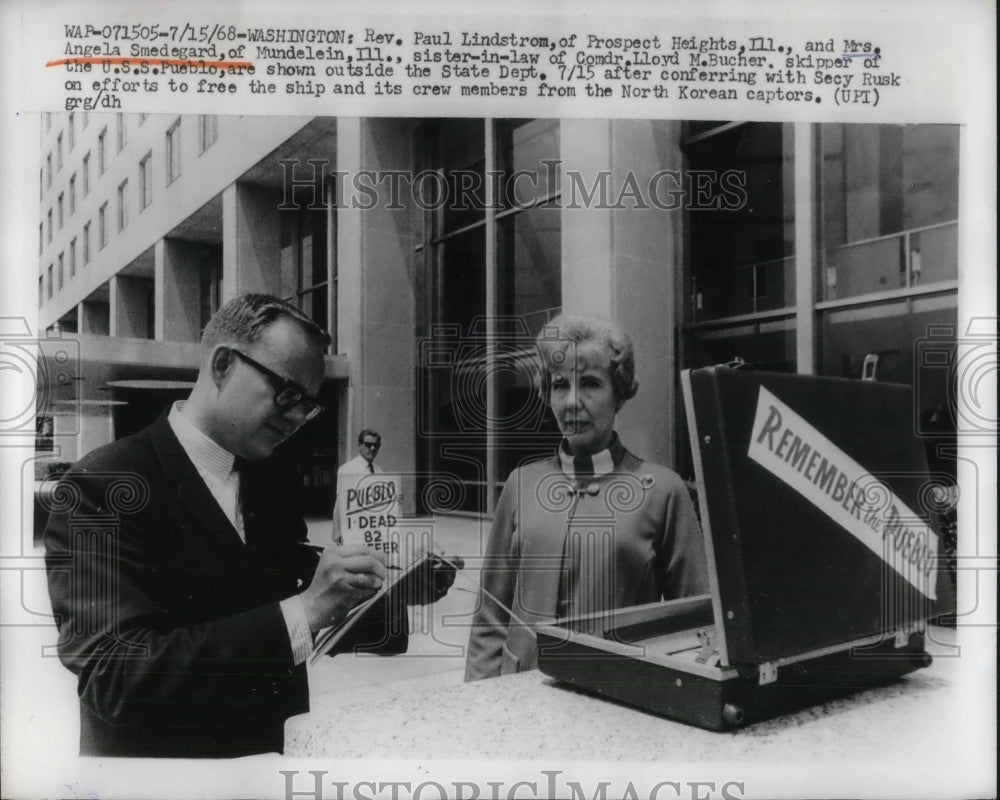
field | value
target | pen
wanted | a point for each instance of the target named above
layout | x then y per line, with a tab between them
320	548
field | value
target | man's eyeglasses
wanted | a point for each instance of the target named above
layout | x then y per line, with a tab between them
372	445
287	393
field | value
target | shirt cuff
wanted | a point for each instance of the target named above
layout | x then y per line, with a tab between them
298	628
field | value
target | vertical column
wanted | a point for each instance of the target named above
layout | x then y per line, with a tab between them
113	310
491	313
647	239
587	228
375	293
129	311
230	246
95	317
330	199
159	295
350	265
251	246
622	256
181	291
805	244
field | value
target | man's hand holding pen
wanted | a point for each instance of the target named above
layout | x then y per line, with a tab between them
344	577
348	575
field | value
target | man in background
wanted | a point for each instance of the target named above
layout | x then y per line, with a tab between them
352	473
369	444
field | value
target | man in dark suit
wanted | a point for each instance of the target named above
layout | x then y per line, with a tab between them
185	594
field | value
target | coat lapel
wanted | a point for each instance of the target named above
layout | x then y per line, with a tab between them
191	491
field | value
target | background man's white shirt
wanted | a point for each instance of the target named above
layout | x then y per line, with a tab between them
348	475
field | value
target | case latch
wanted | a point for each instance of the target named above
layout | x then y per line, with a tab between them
708	654
767	673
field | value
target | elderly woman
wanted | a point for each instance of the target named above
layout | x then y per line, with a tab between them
590	529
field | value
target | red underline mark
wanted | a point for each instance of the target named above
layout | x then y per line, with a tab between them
163	62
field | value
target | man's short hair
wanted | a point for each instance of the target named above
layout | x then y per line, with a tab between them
245	318
368	432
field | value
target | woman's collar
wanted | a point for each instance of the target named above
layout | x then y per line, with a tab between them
601	463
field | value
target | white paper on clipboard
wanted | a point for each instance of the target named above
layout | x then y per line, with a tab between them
328	638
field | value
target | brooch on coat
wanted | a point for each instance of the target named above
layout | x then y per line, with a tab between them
647	481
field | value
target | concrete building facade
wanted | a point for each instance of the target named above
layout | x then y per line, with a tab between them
434	250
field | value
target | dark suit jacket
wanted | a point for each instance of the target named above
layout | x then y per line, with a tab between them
170	621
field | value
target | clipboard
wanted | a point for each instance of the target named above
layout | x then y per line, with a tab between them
328	638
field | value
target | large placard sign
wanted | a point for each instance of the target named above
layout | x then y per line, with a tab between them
368	511
785	444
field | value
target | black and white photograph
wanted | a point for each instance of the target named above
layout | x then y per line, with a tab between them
363	440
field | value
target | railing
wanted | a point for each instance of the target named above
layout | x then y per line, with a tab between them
914	257
909	260
750	289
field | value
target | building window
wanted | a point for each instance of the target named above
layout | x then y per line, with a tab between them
120	124
48	218
86	175
84	120
741	258
123	205
59	272
210	283
881	262
208	131
146	181
48	170
174	152
303	261
86	243
71	129
102	226
890	208
59	210
72	257
102	151
72	194
887	266
41	184
59	152
41	291
48	282
41	237
522	269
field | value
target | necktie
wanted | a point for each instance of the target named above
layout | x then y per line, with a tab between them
371	467
583	468
235	481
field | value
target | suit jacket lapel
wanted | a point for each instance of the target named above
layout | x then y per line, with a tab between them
192	493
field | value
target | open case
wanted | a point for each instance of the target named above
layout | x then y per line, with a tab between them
816	508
